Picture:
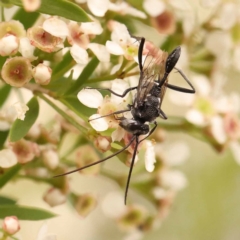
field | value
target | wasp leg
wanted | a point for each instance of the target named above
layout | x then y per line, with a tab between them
180	89
151	131
117	94
162	114
130	170
102	160
110	114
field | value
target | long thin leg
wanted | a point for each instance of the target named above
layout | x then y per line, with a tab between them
151	131
180	89
113	113
140	51
130	170
111	91
102	160
162	114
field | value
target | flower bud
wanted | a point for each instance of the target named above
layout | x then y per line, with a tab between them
85	204
25	150
17	71
43	40
7	158
11	225
31	5
9	45
54	197
102	143
42	74
50	158
86	155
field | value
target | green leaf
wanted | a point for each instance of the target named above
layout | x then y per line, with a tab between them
84	76
7	201
9	174
26	18
3	137
25	213
20	128
74	104
61	8
4	92
59	86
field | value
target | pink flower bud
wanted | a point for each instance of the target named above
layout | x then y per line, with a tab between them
54	197
9	45
50	158
42	74
11	225
17	71
25	150
102	143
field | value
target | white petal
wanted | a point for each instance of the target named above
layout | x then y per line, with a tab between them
173	159
56	27
118	134
235	148
236	57
98	8
149	156
21	109
91	28
100	51
26	49
218	42
90	97
159	192
217	129
114	48
79	54
154	7
173	179
98	124
202	85
228	16
180	5
7	158
42	232
196	117
119	86
113	205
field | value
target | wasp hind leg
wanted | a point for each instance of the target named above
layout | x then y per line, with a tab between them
180	89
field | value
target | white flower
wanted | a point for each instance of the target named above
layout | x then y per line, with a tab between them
122	43
173	179
7	158
42	234
91	28
100	51
98	8
149	156
54	197
154	7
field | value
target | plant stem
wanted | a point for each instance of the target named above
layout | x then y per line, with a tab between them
63	114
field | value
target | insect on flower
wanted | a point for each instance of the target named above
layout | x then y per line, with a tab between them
146	106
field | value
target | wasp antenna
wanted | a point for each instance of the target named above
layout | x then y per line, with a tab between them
140	51
130	170
100	161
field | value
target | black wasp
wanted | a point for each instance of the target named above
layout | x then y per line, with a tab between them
146	106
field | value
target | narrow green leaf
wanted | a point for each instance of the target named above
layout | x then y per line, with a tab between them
61	8
74	104
20	128
9	174
84	76
59	86
26	18
7	201
4	92
3	137
25	213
